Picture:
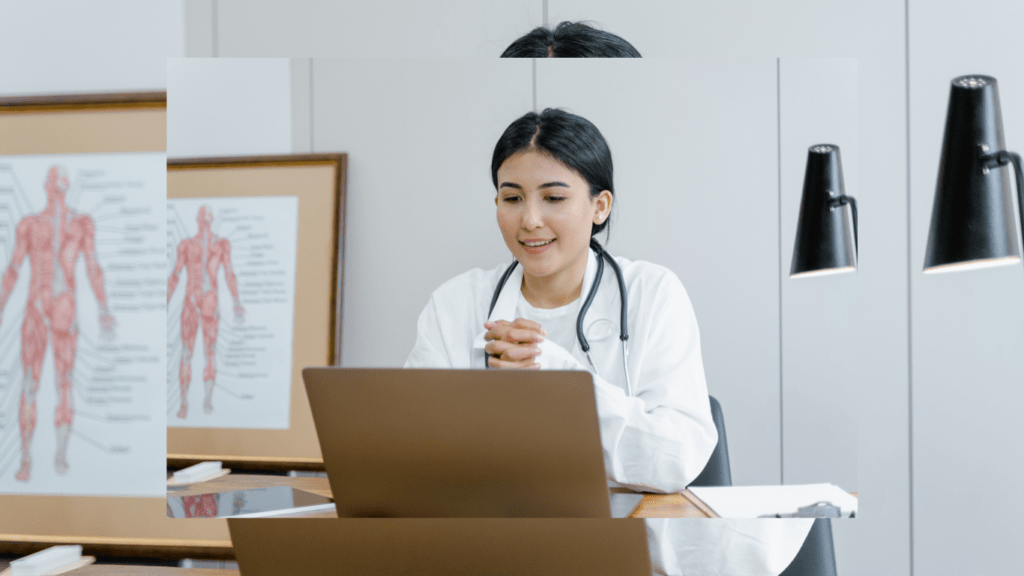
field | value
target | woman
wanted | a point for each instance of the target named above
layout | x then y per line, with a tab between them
552	173
553	176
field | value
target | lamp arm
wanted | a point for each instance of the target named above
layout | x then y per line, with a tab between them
844	199
1019	172
1002	158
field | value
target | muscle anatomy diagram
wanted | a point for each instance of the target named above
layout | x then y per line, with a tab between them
52	240
74	258
235	258
201	256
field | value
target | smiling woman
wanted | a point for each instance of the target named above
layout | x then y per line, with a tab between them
553	178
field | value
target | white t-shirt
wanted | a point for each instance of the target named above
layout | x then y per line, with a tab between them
560	323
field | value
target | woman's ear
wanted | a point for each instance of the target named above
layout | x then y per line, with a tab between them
603	206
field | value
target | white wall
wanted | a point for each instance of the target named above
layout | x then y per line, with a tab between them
64	46
229	106
820	344
968	327
383	29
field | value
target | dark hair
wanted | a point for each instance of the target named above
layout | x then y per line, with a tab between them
570	40
570	139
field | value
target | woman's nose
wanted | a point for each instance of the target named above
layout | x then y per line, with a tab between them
532	218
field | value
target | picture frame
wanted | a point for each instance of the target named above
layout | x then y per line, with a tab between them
105	525
319	182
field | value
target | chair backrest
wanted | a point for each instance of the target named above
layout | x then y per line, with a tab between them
817	556
716	472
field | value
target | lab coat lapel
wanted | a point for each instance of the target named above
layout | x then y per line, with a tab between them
505	306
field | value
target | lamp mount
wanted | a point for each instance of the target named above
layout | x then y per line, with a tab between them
1002	158
843	200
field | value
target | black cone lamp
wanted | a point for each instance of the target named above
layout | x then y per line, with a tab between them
972	217
825	243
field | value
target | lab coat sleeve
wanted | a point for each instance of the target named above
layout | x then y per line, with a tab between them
660	439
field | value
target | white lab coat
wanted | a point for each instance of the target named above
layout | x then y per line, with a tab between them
659	439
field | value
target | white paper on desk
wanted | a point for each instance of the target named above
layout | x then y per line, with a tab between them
755	501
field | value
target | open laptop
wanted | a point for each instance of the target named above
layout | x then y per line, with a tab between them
440	546
411	443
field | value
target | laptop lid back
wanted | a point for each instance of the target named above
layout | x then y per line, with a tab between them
440	546
459	443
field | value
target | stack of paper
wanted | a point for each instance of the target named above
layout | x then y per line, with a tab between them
45	561
756	501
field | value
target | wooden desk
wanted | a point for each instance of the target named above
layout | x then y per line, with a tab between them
682	505
208	538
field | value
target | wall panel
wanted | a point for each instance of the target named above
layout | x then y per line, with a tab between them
386	29
419	135
820	380
229	106
968	327
54	47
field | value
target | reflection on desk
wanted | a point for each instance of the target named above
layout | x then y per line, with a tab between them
682	505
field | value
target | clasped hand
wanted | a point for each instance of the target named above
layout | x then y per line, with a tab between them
513	344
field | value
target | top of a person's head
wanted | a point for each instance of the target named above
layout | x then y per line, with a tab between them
572	140
570	40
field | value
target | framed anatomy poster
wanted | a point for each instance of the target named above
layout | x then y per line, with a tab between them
83	423
82	215
254	286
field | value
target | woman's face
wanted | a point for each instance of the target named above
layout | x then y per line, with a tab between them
545	213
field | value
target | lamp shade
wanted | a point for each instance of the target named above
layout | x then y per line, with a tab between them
825	243
972	216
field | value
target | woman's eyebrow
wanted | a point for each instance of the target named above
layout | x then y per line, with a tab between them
542	186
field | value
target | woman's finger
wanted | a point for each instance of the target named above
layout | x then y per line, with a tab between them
514	352
523	335
495	362
496	330
529	325
497	347
520	353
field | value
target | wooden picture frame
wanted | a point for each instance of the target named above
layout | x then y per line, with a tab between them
319	181
108	525
137	526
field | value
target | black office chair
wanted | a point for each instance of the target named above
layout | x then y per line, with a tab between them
817	556
716	472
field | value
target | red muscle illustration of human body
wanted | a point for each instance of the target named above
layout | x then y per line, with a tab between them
52	240
201	256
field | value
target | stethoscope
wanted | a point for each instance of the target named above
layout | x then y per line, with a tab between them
623	334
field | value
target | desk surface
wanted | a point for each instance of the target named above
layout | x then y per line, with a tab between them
682	505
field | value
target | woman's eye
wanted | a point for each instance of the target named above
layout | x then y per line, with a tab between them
511	199
556	198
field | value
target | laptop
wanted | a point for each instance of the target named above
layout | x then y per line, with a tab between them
440	546
428	443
